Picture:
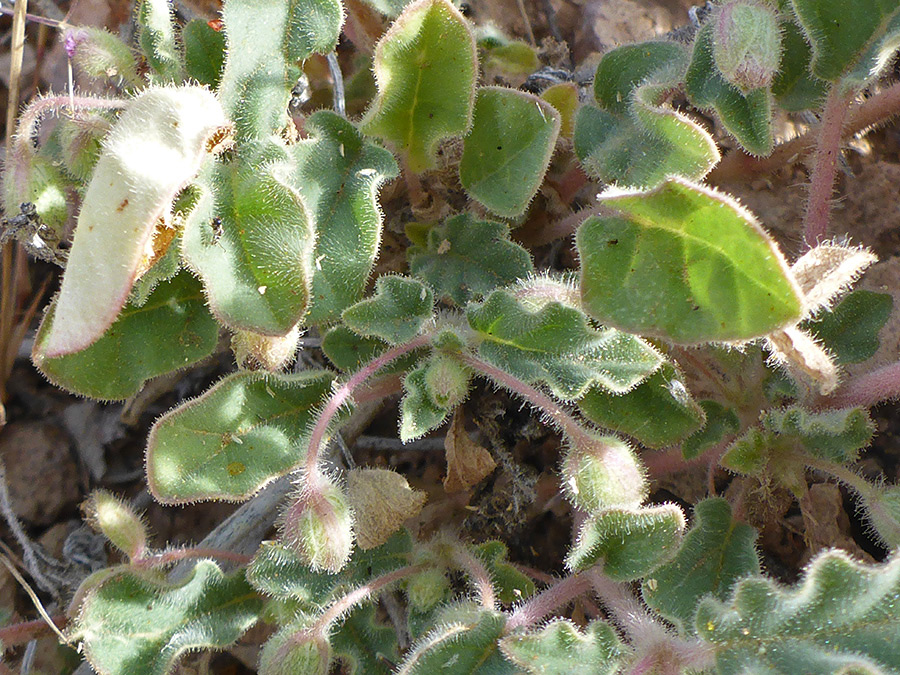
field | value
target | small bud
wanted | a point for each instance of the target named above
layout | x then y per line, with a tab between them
117	522
294	651
319	527
882	510
747	44
426	589
446	381
100	54
603	475
254	351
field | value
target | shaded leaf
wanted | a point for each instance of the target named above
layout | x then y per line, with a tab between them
510	585
349	351
204	52
508	149
842	617
425	69
555	344
658	412
720	421
850	330
464	258
716	552
794	87
364	644
419	413
685	263
137	623
339	175
242	433
172	329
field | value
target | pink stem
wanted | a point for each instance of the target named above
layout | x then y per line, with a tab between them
479	574
868	389
548	601
342	396
828	149
20	633
168	557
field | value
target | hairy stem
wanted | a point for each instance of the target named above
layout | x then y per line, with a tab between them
868	389
20	633
828	150
169	557
548	601
342	396
478	573
639	625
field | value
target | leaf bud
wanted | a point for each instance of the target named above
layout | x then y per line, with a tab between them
446	381
604	474
109	515
427	588
295	650
100	54
255	351
319	527
747	43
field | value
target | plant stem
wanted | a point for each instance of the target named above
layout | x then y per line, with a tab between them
873	111
168	557
868	389
20	633
625	610
548	601
554	413
828	150
476	570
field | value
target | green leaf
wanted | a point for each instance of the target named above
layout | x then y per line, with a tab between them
720	422
560	648
850	330
339	175
628	543
857	34
156	37
749	454
507	152
395	314
659	412
250	239
204	52
510	585
836	435
716	552
685	263
245	431
633	139
794	87
347	350
171	330
842	617
882	511
555	344
137	623
425	69
745	115
278	571
294	650
364	644
419	413
464	642
464	258
267	43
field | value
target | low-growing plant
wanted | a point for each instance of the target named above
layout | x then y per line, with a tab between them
208	201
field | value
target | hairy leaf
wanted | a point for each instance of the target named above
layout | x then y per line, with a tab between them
228	443
364	644
720	421
172	329
140	624
658	412
396	313
794	87
250	239
633	139
716	552
685	263
267	43
339	174
419	413
628	543
837	435
555	344
510	585
850	330
745	115
508	149
204	52
347	350
560	648
842	617
156	36
278	571
464	258
425	68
